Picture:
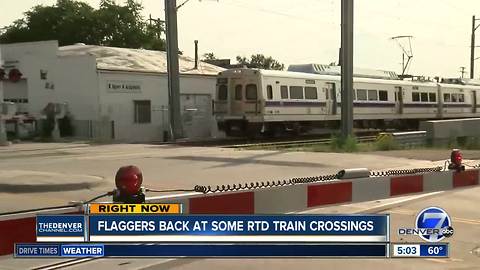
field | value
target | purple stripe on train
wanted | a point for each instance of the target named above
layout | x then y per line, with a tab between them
361	104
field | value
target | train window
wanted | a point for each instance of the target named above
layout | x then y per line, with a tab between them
424	97
446	97
296	92
238	92
222	92
361	94
372	95
354	94
415	96
382	95
432	97
311	92
461	98
269	92
251	92
284	92
454	97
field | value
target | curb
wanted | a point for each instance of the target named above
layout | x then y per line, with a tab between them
8	188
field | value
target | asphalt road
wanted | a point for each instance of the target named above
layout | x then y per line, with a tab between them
164	167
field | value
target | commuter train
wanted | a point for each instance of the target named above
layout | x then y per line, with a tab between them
250	102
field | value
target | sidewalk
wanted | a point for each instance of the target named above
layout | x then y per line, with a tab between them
35	146
22	181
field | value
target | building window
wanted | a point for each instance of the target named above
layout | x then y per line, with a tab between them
361	94
311	92
142	110
284	92
382	95
415	96
296	92
251	92
424	97
238	92
461	98
222	92
269	92
454	97
432	97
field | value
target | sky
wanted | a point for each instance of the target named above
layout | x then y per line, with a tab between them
308	31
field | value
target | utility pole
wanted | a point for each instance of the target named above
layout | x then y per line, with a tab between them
462	71
176	130
472	47
346	63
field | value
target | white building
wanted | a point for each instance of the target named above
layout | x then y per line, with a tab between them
112	93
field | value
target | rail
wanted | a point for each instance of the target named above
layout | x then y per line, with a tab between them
296	143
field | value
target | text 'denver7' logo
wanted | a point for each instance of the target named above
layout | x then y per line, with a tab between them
432	224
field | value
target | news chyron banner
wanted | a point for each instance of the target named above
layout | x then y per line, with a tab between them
116	230
241	228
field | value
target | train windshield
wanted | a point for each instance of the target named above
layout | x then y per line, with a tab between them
222	92
251	92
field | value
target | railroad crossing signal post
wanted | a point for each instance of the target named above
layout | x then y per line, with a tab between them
347	68
176	130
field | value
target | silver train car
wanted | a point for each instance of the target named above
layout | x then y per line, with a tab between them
250	102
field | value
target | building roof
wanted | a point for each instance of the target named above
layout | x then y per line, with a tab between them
139	60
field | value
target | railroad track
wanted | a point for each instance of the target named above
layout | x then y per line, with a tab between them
296	143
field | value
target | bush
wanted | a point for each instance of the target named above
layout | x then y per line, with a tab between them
348	144
386	143
452	142
472	143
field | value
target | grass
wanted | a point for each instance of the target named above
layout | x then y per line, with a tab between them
340	144
350	145
386	143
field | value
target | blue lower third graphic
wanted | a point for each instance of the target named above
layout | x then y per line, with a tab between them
434	250
84	250
36	250
204	250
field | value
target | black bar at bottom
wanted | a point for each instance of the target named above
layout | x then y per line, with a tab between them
247	250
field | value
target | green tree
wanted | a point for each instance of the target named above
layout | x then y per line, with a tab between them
260	61
209	56
71	21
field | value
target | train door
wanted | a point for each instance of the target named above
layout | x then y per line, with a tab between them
236	97
474	101
331	98
399	99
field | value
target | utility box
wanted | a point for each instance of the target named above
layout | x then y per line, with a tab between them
443	131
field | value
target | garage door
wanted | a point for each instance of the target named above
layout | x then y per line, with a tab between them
196	115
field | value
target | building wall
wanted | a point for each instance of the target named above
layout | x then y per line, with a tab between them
96	98
31	58
76	83
117	105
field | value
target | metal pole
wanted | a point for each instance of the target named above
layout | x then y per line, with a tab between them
472	50
173	69
347	68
